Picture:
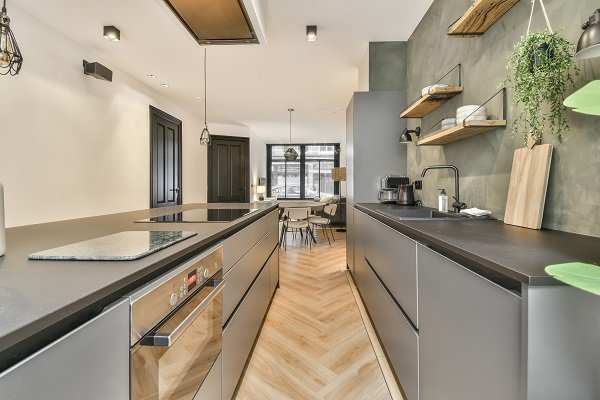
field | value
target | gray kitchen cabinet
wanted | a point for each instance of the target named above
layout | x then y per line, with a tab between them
240	276
90	362
360	219
240	333
393	256
273	265
469	333
372	150
398	337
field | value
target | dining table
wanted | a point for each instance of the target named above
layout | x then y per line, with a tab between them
313	205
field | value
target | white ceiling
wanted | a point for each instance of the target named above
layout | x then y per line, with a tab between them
249	85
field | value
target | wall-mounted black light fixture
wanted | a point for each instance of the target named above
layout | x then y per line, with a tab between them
589	42
11	58
112	33
97	70
405	137
311	33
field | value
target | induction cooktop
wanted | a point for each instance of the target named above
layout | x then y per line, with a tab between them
203	215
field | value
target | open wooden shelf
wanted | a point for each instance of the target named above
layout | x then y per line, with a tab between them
434	99
480	16
460	132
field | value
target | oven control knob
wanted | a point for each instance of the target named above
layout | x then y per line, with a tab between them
205	273
173	299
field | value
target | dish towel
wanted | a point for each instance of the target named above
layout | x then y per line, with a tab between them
475	212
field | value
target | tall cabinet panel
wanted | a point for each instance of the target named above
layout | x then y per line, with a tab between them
373	128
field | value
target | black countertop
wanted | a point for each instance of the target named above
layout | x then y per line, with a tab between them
514	253
42	300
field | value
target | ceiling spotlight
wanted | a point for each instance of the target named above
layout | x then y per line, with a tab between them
164	85
152	76
112	33
311	33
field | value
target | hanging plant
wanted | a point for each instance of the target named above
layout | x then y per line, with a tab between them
541	70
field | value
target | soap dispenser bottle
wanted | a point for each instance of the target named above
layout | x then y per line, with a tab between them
443	201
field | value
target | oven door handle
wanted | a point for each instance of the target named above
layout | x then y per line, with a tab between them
167	339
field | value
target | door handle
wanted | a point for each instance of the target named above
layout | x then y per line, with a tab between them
176	190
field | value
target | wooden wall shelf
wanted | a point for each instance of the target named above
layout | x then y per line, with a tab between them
460	132
431	101
480	16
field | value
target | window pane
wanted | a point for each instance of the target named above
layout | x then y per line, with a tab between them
320	152
277	179
318	181
292	189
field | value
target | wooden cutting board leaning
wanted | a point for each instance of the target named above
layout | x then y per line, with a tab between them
528	184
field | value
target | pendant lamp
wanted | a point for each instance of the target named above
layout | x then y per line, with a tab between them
11	58
586	100
205	135
588	45
290	154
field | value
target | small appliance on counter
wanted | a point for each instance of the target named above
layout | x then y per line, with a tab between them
389	188
406	195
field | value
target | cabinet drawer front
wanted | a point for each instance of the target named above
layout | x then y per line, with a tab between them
400	341
394	257
470	333
90	362
273	265
235	246
241	332
241	275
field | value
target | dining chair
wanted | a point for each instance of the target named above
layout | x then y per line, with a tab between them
297	218
324	222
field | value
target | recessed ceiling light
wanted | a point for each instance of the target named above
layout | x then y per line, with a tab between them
152	76
199	98
164	85
112	33
311	33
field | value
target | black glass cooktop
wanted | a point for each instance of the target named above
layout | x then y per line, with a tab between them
203	215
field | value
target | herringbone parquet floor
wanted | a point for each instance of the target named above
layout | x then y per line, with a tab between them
313	344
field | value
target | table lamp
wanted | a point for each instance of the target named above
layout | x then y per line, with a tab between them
261	190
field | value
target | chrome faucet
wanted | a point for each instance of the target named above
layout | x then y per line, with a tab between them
456	205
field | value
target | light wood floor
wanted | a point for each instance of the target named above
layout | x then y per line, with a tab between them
314	343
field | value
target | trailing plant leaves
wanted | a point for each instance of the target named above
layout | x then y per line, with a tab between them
542	68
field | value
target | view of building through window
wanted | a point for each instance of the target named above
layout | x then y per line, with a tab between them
306	178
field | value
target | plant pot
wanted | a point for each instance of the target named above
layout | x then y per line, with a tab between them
539	55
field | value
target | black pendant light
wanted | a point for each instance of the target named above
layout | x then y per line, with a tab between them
290	154
205	135
405	137
11	58
589	42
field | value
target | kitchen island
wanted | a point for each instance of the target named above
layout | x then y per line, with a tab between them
465	310
40	301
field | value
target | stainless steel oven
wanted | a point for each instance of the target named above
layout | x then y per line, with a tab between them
176	329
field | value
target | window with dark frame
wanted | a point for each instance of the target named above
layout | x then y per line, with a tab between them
308	177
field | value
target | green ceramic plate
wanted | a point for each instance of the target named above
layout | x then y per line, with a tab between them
582	276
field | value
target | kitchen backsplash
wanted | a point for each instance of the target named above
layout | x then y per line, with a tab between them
485	160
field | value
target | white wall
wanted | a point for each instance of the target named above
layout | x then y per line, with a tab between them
363	73
74	146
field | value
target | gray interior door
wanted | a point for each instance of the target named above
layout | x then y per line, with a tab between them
165	160
228	170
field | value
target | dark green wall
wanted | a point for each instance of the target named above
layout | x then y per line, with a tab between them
484	161
387	66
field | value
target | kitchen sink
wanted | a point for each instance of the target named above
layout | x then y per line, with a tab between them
421	213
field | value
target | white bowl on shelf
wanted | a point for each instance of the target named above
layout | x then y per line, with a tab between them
448	123
426	89
471	118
